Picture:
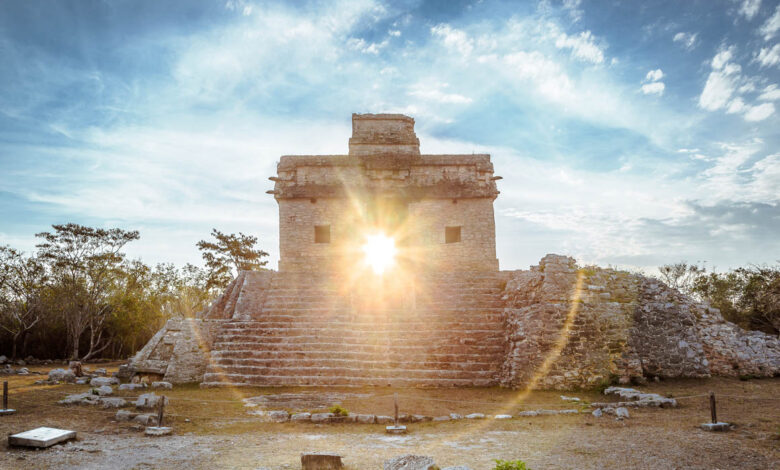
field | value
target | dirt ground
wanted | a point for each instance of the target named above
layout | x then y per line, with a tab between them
214	429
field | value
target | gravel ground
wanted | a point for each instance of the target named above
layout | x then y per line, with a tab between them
227	437
544	443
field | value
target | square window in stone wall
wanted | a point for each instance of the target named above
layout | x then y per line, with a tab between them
451	234
322	234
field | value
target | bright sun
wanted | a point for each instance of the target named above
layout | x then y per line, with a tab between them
380	252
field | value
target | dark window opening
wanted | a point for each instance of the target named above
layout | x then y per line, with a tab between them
451	234
322	234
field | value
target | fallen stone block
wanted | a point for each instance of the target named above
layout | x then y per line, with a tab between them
502	417
597	413
85	398
475	416
278	416
145	419
156	431
62	375
455	416
321	461
124	415
366	419
301	418
112	402
41	437
392	429
442	418
149	400
163	385
621	412
410	462
100	372
100	381
527	413
131	387
103	391
569	412
322	417
385	420
716	427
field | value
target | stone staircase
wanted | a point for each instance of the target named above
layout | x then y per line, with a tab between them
285	329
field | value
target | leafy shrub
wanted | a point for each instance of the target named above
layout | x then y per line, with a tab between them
509	465
338	410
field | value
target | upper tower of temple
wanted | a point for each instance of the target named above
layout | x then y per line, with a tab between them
441	206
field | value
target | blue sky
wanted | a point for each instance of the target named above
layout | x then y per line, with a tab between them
628	133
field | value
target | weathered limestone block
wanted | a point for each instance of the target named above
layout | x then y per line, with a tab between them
321	461
410	462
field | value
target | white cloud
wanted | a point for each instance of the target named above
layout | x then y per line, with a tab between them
770	93
722	57
582	47
654	75
768	57
772	25
717	91
573	7
749	8
736	106
435	93
454	39
688	40
760	112
394	32
359	44
655	88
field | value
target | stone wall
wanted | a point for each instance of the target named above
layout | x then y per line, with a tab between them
477	249
571	327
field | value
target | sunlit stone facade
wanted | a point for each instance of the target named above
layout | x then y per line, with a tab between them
438	208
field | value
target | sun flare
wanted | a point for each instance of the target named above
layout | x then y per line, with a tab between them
379	252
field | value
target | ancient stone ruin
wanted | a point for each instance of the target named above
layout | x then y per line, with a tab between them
341	311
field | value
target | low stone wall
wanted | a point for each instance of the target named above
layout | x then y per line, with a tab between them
569	327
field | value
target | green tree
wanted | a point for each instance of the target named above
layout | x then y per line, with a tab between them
84	262
228	255
22	283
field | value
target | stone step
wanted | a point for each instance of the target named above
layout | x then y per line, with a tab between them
238	380
369	330
452	312
406	348
314	361
383	355
356	340
342	325
336	371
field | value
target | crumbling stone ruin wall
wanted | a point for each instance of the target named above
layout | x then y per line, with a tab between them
569	327
179	352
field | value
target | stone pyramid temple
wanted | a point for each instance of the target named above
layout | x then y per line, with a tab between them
388	276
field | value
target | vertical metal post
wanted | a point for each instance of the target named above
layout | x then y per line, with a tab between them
160	411
395	400
713	410
5	395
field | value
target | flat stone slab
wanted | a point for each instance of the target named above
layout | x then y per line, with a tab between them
41	437
156	431
9	411
715	427
395	429
321	461
301	401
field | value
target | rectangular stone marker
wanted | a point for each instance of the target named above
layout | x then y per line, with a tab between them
41	437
